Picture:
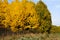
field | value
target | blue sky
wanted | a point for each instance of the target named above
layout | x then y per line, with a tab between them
54	8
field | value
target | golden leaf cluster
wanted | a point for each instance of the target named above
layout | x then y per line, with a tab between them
24	15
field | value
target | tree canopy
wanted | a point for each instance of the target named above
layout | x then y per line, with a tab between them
25	15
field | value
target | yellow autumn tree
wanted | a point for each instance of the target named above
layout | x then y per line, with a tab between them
5	12
23	15
1	15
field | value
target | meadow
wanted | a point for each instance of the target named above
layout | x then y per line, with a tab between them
32	36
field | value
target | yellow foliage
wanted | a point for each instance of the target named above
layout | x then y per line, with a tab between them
19	15
22	15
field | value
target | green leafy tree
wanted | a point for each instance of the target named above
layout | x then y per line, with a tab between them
44	17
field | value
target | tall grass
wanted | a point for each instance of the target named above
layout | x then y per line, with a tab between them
32	36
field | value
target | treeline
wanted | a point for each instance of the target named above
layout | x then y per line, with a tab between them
55	29
25	15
